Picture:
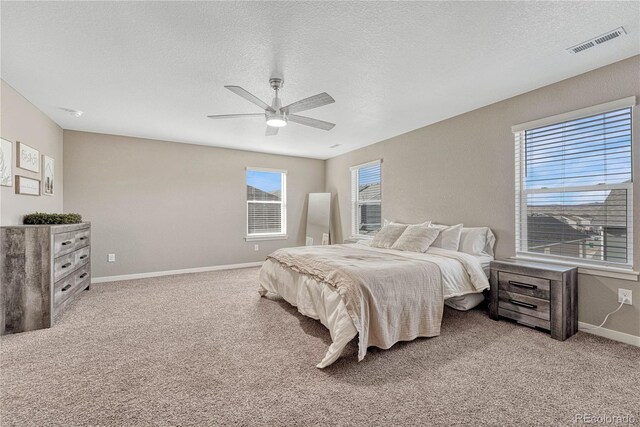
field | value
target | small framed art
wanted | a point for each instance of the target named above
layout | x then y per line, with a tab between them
6	163
27	186
28	158
47	175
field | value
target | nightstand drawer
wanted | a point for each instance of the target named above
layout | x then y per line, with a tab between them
525	285
524	319
520	303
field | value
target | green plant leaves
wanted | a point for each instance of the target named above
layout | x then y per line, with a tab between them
52	218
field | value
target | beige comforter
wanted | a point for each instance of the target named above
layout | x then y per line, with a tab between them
391	296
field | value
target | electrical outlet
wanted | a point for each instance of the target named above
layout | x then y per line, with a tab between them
256	247
625	293
111	258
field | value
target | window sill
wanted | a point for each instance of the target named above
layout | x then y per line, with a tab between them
258	237
591	270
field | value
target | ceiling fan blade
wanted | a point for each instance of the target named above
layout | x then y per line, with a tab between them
234	116
314	101
250	97
271	131
307	121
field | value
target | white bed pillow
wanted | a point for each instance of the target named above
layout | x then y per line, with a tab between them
387	236
416	238
477	241
387	222
364	242
449	237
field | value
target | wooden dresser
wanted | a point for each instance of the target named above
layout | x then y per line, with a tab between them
43	268
536	294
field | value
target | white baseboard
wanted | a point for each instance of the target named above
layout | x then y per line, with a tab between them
610	333
173	272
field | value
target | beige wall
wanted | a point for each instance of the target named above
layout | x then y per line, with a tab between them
165	206
22	121
461	170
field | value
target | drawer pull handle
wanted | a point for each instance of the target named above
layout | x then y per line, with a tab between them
82	238
68	242
83	275
523	304
83	257
66	265
522	285
66	288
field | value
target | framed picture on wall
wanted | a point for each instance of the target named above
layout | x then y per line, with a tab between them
27	186
47	175
28	158
6	163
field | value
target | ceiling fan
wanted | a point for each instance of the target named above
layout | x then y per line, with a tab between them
278	116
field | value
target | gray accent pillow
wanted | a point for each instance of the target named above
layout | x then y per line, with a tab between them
387	236
416	238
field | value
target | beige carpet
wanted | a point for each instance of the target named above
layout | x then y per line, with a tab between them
204	350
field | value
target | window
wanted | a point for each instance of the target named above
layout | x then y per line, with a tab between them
266	203
574	186
366	198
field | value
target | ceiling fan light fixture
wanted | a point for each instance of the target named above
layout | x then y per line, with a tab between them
276	122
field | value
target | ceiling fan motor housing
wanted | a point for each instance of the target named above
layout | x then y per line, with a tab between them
277	118
276	83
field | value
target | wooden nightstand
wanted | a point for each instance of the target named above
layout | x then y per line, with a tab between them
536	294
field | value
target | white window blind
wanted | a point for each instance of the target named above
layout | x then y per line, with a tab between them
266	202
574	188
366	198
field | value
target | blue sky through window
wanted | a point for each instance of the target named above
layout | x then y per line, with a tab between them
369	175
589	151
265	181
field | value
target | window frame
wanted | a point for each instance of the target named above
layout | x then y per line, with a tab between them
355	203
521	193
282	234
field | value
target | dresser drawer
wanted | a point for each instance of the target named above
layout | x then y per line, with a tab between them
67	287
525	304
82	255
525	285
64	243
82	237
63	266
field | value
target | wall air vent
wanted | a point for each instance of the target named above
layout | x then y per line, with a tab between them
597	40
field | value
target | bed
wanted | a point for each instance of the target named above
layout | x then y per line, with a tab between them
381	295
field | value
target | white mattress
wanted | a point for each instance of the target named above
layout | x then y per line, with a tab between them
322	302
468	301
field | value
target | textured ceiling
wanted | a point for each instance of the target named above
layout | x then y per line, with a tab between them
156	69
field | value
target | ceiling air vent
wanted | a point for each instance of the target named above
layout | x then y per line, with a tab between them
597	40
